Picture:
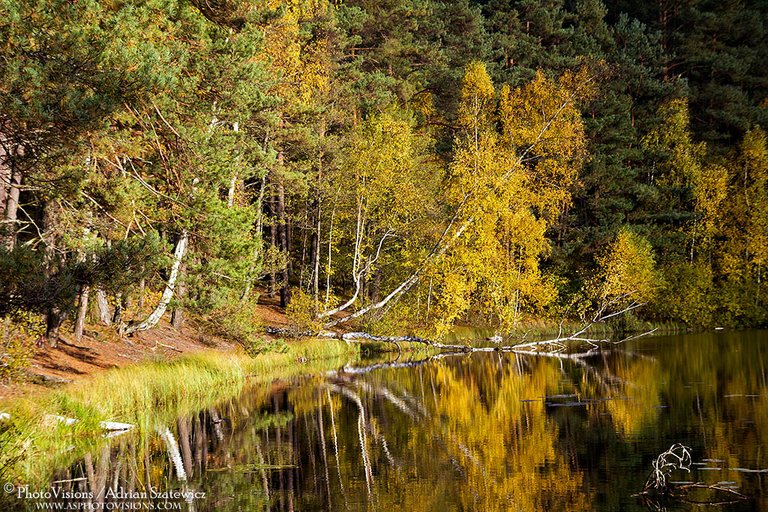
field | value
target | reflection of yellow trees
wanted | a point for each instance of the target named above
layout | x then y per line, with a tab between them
637	402
453	437
507	447
465	433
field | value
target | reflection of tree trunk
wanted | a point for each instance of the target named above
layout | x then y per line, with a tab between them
173	453
292	462
186	447
280	461
216	420
311	442
118	474
147	469
362	426
199	442
321	430
102	470
264	480
81	311
336	448
132	467
170	287
90	475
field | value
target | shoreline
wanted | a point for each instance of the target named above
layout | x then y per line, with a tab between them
46	429
101	349
150	380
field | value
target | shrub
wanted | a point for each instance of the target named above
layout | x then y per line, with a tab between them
302	313
238	322
17	345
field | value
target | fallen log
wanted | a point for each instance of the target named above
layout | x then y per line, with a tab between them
360	336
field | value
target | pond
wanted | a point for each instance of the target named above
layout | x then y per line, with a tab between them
483	431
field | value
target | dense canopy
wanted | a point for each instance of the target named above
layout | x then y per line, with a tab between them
406	164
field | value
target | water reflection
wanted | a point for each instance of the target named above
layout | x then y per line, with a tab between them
469	432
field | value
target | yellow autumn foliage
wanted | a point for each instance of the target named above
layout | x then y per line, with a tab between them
627	269
515	163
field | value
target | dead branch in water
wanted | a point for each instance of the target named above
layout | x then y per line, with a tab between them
678	457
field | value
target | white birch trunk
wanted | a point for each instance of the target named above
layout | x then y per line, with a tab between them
103	305
165	299
11	210
81	312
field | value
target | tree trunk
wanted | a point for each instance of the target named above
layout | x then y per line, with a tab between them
53	320
258	249
142	286
315	259
103	306
233	181
273	242
81	312
177	315
305	241
405	285
328	267
231	191
375	286
165	299
5	176
318	211
117	317
282	234
11	210
54	316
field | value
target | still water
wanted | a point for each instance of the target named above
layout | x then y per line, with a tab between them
485	431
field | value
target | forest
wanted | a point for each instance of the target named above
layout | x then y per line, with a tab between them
405	166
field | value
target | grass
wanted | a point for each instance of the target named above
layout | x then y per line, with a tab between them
146	395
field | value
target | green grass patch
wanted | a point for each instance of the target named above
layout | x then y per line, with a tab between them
148	395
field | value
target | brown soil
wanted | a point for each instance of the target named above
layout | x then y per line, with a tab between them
101	349
270	312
